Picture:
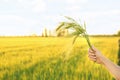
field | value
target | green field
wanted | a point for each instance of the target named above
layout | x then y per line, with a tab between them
52	58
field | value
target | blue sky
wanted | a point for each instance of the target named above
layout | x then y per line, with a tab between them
25	17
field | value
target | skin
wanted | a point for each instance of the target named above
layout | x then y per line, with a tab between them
96	56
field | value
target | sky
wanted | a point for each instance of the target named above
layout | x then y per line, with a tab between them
26	17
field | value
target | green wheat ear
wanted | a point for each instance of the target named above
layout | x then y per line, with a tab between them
78	29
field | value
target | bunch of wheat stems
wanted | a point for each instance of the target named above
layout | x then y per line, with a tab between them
78	29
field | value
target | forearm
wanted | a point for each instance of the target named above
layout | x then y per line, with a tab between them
112	68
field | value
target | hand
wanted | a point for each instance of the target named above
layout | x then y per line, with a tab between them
95	55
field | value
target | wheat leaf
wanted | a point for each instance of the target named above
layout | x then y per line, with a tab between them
60	26
74	39
76	33
85	26
69	18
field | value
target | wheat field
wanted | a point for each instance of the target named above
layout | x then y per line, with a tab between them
53	58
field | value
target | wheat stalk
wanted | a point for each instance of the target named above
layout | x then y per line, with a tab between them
78	29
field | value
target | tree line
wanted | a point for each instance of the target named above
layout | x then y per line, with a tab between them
48	33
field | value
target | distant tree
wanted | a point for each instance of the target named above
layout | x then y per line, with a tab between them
62	33
50	33
45	32
66	33
34	34
119	52
118	33
42	34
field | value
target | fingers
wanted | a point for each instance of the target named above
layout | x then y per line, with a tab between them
93	58
91	51
92	55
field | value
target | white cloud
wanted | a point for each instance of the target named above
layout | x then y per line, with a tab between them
16	20
94	14
103	13
34	5
75	5
39	6
17	25
73	8
76	1
5	0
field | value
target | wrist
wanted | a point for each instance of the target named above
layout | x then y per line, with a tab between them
102	59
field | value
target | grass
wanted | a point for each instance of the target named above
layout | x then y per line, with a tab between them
42	59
